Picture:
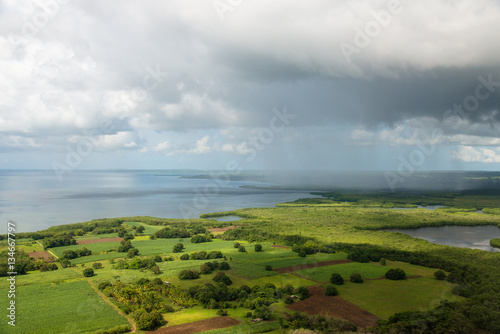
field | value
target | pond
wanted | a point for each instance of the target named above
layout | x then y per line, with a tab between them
475	237
230	218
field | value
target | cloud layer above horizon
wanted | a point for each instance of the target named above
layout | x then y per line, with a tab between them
282	85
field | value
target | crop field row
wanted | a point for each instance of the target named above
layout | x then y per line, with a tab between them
72	307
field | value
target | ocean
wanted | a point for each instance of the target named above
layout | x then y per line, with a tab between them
36	200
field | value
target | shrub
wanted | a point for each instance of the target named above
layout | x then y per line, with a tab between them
84	252
336	279
157	258
147	321
156	270
268	267
288	300
224	266
205	269
184	257
331	290
383	261
168	309
65	263
222	312
88	272
48	267
124	246
103	285
395	274
258	248
236	245
356	278
97	265
200	238
178	248
440	275
302	292
242	249
128	236
263	312
69	254
132	252
302	253
223	278
189	274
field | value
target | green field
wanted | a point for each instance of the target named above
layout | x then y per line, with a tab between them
323	274
61	308
62	301
383	298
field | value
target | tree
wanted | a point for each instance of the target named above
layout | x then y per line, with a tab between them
302	292
336	279
263	312
268	267
97	265
147	321
224	266
440	275
383	261
189	274
140	229
88	272
223	278
132	252
331	290
184	257
258	248
395	274
242	249
156	270
65	263
236	245
48	267
178	248
205	269
84	252
356	278
69	254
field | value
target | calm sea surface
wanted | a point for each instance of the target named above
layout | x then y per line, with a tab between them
36	200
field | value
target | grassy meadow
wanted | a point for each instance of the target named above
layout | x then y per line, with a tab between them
62	301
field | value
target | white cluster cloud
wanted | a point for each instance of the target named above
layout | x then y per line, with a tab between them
159	69
481	154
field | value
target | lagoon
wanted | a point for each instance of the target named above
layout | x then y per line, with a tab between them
475	237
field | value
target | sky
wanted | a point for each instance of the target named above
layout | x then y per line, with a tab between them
224	84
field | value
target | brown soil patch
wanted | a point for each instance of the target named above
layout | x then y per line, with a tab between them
42	255
95	241
291	269
336	307
198	326
280	246
222	229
